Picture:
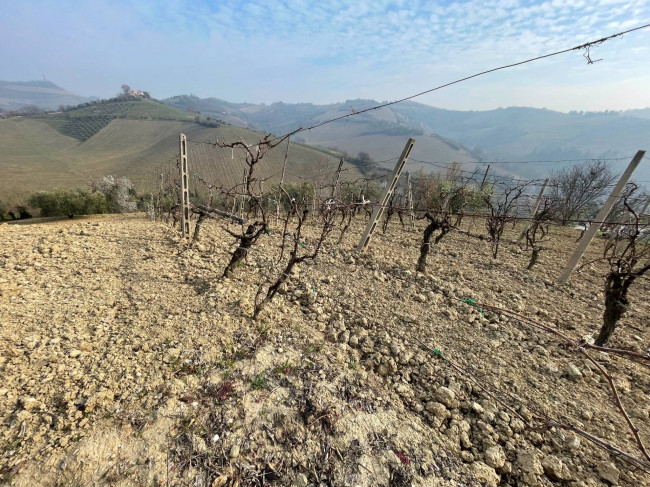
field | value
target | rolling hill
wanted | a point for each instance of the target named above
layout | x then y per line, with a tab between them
43	94
515	133
382	133
137	139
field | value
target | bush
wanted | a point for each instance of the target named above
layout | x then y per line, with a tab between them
69	202
3	211
23	212
118	193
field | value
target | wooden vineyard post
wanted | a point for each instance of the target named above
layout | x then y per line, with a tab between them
379	210
535	208
409	198
185	194
602	215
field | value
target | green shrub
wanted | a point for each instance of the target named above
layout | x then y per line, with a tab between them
69	202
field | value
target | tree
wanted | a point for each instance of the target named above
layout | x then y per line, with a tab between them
126	90
68	202
118	193
577	187
501	209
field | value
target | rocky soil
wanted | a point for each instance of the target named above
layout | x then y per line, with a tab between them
126	360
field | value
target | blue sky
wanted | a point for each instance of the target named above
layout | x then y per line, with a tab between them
332	50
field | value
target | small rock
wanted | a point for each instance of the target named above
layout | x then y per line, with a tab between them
301	480
608	472
234	451
528	462
438	410
75	353
477	408
446	396
554	468
573	372
485	474
86	347
495	457
29	403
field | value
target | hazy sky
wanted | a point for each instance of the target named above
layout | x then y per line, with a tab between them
331	50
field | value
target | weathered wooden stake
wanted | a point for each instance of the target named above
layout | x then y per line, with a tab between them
185	194
378	210
535	208
602	215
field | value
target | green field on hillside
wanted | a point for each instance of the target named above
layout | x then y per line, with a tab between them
84	122
34	155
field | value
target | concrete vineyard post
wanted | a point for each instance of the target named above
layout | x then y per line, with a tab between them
336	179
484	177
185	194
409	196
243	196
602	215
379	210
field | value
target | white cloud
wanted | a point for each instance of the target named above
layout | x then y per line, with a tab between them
322	51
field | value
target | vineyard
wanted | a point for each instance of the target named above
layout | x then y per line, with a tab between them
313	325
152	369
36	156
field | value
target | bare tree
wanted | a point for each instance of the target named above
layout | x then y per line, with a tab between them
501	211
576	188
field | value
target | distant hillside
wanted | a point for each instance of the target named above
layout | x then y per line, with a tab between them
382	134
84	122
639	113
516	133
135	139
43	94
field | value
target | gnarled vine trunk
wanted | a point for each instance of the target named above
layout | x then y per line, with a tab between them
616	304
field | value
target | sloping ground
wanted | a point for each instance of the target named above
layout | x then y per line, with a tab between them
34	156
381	133
354	137
125	362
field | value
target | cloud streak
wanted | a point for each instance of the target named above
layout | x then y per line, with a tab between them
304	50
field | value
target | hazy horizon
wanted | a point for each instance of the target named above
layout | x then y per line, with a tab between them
310	52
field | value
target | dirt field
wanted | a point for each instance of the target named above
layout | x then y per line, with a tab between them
125	362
